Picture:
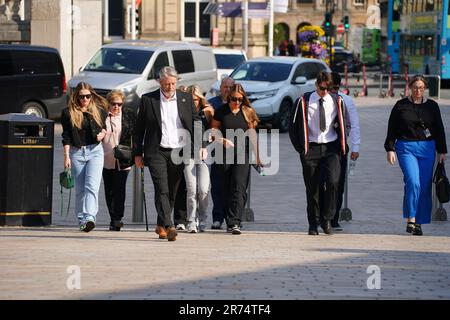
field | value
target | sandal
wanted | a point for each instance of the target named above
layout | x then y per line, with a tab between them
410	226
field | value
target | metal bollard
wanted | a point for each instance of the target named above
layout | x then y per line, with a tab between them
346	213
137	195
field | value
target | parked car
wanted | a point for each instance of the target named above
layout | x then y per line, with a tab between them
227	60
32	81
133	67
274	83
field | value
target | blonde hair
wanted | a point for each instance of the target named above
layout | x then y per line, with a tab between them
196	91
247	110
97	101
113	94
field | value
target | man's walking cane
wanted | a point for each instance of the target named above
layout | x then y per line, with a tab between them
143	197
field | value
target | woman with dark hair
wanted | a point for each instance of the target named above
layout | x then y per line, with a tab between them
415	134
232	124
83	123
119	130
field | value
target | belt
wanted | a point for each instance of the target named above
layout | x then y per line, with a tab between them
168	149
322	144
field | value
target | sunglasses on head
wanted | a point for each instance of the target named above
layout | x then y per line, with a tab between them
234	99
119	104
82	96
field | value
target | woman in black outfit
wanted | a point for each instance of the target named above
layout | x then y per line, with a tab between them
83	123
236	121
119	130
416	133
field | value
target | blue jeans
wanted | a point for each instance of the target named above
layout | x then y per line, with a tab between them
87	168
416	159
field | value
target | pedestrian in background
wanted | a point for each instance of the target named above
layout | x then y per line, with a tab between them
218	212
236	115
119	130
197	173
84	127
415	133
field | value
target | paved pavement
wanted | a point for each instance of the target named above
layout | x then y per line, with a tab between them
274	258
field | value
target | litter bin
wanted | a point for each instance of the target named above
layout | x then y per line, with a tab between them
26	170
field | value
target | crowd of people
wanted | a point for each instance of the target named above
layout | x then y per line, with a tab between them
324	130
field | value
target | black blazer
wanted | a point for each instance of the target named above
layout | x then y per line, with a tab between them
148	132
71	134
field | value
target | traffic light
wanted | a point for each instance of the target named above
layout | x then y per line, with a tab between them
327	23
328	18
346	23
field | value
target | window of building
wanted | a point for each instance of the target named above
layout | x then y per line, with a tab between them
196	24
358	3
305	1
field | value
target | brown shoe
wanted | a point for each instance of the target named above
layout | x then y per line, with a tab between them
171	233
161	231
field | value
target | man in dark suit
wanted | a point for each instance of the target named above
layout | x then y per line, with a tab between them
164	116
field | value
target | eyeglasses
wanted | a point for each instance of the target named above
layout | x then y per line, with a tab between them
336	88
119	104
82	96
235	99
418	88
322	88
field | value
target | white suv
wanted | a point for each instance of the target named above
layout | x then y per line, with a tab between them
274	83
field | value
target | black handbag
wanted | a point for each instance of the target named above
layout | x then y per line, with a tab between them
442	184
123	153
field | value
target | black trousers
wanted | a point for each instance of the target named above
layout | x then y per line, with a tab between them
218	212
340	196
166	177
321	162
115	191
180	207
235	182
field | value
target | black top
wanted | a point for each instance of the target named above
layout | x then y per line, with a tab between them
88	132
229	120
409	121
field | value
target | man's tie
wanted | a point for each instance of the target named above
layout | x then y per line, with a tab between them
322	115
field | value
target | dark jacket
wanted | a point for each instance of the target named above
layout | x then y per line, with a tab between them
71	134
298	127
128	124
148	131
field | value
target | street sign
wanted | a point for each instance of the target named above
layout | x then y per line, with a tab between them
340	28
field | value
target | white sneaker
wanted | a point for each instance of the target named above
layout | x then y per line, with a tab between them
192	228
180	227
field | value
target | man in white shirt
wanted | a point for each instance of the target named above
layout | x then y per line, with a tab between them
163	116
355	140
318	133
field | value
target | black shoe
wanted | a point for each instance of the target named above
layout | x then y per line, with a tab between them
417	230
313	232
336	226
115	225
326	227
410	227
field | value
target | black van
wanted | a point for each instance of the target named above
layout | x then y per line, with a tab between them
32	81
